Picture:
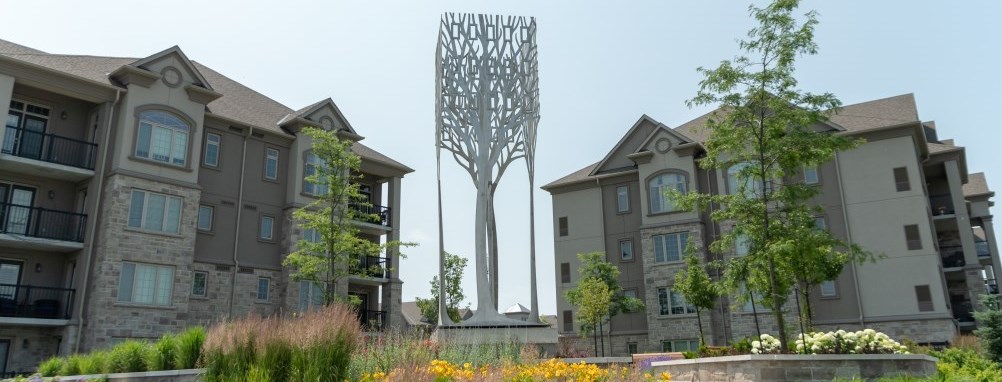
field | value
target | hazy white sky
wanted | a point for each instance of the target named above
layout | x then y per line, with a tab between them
602	65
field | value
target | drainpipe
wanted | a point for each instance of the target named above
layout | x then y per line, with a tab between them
92	231
848	236
240	208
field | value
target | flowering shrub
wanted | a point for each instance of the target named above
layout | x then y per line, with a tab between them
767	345
550	370
866	341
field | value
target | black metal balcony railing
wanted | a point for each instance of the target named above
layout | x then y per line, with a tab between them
963	311
42	223
991	286
370	266
372	320
941	204
953	256
49	148
35	302
983	250
372	213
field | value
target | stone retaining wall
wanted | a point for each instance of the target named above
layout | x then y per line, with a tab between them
775	368
186	375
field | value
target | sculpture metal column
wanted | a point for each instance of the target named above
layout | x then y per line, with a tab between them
487	110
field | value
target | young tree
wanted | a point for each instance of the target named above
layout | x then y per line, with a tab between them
764	133
331	249
697	288
592	297
454	267
989	332
594	265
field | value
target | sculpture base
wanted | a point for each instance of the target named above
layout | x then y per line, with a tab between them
542	336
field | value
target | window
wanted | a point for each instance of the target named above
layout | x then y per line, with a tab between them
311	235
901	179
319	188
741	245
162	137
811	175
205	218
671	302
828	289
562	223
565	272
271	164
26	125
677	346
912	237
311	295
659	186
568	321
145	284
669	247
263	284
631	348
631	293
924	297
735	181
211	157
819	223
623	199
267	228
626	248
155	212
198	282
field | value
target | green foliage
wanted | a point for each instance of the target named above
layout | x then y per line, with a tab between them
93	363
989	332
51	367
594	265
696	286
454	267
764	133
966	365
592	297
189	347
338	201
163	354
71	366
127	357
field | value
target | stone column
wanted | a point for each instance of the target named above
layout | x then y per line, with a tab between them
6	93
392	289
972	267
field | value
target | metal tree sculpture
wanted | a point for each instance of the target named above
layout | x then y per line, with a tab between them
487	94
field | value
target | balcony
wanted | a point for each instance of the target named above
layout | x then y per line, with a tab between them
953	256
40	228
942	205
983	250
991	286
371	267
372	320
49	155
29	305
372	213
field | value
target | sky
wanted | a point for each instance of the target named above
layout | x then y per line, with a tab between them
602	65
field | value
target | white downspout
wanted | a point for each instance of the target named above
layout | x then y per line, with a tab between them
93	222
240	208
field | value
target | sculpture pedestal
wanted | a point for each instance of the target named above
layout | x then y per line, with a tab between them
541	335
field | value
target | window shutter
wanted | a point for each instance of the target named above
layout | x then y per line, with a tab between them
912	237
565	272
568	321
901	179
563	226
924	298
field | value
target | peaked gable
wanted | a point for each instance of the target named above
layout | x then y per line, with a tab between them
188	68
616	158
319	112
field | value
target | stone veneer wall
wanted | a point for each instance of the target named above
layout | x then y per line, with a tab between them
922	331
116	242
776	368
41	343
658	275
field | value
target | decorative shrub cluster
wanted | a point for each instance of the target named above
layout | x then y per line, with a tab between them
181	351
549	370
766	345
866	341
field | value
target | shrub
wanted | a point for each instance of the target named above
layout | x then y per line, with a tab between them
989	331
867	341
189	347
94	363
162	355
72	365
50	367
127	357
767	345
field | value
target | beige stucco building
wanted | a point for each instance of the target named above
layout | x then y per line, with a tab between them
143	195
905	194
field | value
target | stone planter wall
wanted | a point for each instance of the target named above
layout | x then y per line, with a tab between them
187	375
775	368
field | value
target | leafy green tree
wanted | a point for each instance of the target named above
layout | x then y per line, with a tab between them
333	250
592	297
989	332
454	267
764	133
696	286
595	266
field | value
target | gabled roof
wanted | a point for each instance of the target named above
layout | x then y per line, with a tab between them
890	111
939	148
574	177
306	111
517	308
174	50
638	128
977	185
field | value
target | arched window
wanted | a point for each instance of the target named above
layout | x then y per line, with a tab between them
751	185
658	186
162	137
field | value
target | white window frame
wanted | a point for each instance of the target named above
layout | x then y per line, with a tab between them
314	291
271	155
661	245
212	215
310	164
623	251
742	245
659	192
144	223
267	288
311	235
832	289
670	345
157	294
820	223
668	293
752	185
623	199
811	170
175	132
205	283
271	227
217	144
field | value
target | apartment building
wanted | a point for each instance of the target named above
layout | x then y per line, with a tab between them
144	195
905	194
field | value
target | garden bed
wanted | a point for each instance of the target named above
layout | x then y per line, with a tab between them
778	367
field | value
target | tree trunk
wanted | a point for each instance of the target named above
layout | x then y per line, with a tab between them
594	338
801	319
601	336
751	297
699	323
